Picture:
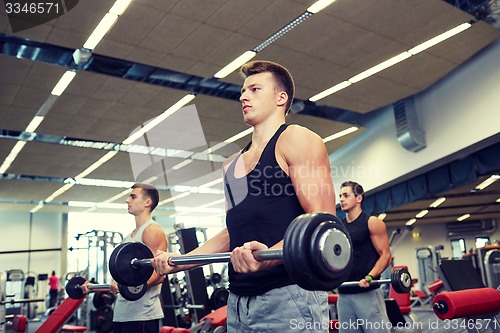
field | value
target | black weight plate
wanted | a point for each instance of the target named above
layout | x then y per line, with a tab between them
291	261
73	287
331	250
104	319
215	278
302	269
401	280
133	293
103	298
219	298
120	264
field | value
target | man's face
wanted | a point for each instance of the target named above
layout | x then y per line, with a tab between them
259	97
137	202
348	199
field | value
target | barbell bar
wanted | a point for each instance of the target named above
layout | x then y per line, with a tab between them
400	281
131	293
22	300
317	254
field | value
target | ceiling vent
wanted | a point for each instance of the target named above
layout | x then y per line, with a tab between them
486	226
410	135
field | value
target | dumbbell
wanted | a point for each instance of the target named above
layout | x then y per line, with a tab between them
400	281
130	293
317	254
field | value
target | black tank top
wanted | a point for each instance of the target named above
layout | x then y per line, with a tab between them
260	207
364	253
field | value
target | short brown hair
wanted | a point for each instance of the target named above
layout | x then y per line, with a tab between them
282	76
149	191
357	189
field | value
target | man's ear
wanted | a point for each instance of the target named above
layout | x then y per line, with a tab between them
359	198
148	203
282	98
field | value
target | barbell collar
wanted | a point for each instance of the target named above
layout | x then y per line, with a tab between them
141	263
98	287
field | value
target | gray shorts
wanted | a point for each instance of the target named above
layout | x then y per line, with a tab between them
286	309
364	312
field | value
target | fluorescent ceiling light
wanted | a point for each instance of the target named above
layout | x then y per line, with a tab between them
329	91
212	183
498	200
390	62
167	113
33	125
382	216
59	192
213	203
36	208
97	164
463	217
438	39
319	5
12	156
422	214
182	164
341	134
380	67
239	135
100	31
111	205
235	64
437	202
487	182
90	204
104	182
81	204
119	7
63	83
410	222
175	197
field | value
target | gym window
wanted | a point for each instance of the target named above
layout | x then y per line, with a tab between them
457	248
482	241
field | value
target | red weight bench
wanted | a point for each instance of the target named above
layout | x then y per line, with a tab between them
421	298
214	319
19	323
170	329
60	316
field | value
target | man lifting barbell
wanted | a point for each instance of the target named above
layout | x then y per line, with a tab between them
282	173
371	256
142	315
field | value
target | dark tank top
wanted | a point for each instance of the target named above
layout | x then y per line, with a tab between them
364	253
261	205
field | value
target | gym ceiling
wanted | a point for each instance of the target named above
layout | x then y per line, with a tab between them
159	51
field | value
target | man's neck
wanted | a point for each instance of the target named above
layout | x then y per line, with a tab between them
264	131
141	219
353	213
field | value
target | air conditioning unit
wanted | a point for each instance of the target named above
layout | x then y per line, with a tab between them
486	226
410	135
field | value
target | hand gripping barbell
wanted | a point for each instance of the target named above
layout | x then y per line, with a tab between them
317	255
130	293
400	281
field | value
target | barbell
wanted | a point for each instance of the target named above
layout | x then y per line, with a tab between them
400	281
131	293
317	254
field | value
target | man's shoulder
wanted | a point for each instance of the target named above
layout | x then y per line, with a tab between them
299	134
